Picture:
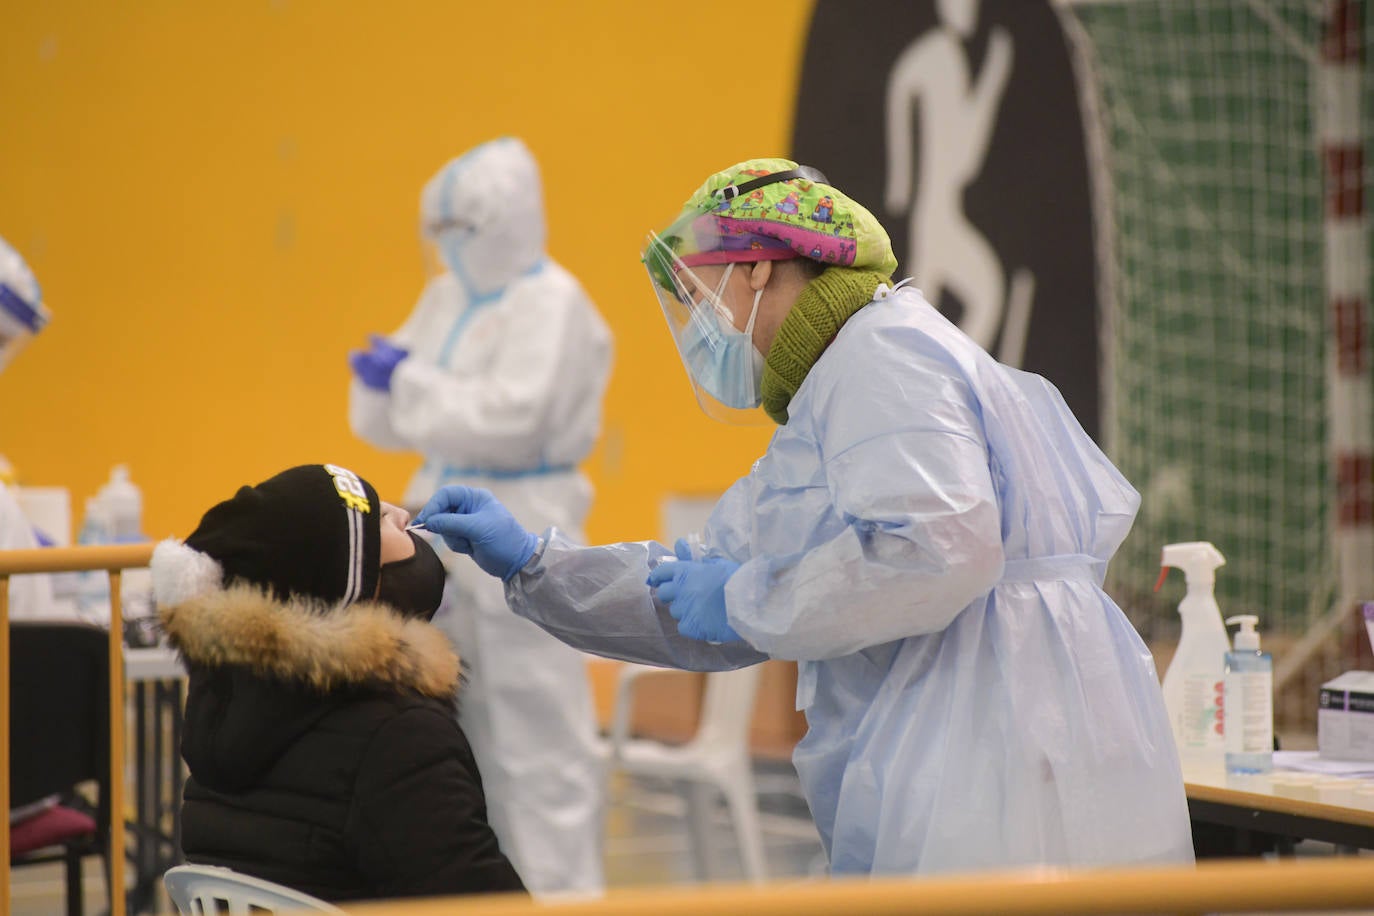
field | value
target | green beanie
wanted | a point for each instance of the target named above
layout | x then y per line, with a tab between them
821	310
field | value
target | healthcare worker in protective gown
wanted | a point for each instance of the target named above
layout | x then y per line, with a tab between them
22	315
926	536
497	379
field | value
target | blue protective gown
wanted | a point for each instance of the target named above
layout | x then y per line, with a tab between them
927	537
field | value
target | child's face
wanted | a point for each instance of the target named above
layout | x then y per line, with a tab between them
396	544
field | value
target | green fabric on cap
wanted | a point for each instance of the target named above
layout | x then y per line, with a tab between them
823	307
797	217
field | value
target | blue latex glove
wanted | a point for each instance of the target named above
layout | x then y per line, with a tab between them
373	367
474	522
694	591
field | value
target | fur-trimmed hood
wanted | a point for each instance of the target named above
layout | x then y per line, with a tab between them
361	645
325	648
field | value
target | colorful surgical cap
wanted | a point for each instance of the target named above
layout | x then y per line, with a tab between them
796	217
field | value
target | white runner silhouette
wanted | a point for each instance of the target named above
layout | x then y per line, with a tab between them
957	115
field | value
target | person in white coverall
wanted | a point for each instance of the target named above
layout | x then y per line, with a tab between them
497	379
926	535
22	315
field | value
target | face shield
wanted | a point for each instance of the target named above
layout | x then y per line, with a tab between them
721	361
20	319
446	245
758	210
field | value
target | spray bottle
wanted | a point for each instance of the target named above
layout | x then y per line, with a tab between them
1195	682
1249	701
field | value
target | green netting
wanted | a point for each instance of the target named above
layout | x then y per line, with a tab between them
1216	341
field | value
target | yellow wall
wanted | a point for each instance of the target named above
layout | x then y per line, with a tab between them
220	200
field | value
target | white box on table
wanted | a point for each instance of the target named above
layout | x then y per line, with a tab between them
1345	717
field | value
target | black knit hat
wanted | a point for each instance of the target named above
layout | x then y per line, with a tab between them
313	531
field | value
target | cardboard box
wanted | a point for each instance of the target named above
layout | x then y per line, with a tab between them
1345	717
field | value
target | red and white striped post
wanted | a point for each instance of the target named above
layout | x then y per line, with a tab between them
1347	272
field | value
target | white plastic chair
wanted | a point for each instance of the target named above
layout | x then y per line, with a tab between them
205	890
715	759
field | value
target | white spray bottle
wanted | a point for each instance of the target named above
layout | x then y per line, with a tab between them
1195	682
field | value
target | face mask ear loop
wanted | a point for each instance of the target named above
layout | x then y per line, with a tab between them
718	298
753	313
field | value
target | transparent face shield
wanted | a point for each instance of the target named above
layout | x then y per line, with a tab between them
721	361
445	246
20	320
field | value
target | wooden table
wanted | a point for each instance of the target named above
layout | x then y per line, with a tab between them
1263	804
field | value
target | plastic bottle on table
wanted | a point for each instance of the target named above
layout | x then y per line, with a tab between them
93	586
1249	724
1195	681
123	504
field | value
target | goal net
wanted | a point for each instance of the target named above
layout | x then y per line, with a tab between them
1228	275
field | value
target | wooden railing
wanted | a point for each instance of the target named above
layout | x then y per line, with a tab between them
114	560
1328	884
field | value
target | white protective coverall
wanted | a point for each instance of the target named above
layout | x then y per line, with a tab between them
30	596
502	389
927	536
22	315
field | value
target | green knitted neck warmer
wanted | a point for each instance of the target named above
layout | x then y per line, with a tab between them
821	310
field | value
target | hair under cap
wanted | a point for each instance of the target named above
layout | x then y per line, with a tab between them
312	531
791	218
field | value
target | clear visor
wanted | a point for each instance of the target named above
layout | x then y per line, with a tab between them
721	362
20	320
443	245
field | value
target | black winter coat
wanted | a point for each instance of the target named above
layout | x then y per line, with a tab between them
324	753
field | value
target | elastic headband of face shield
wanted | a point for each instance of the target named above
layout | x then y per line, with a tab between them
731	191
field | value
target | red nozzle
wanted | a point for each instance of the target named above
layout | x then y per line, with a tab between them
1163	574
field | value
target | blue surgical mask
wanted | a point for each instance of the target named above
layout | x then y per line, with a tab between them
722	359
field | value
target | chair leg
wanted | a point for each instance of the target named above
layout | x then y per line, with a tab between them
701	799
75	905
744	815
107	871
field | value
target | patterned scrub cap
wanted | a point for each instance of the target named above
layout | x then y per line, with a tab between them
735	217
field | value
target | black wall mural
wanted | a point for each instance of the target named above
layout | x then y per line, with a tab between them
957	123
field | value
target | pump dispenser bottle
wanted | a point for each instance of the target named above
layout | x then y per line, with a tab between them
1194	682
1249	721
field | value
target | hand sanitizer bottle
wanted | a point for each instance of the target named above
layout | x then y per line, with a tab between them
1249	722
1194	682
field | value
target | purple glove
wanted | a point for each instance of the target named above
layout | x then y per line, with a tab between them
474	522
374	367
694	591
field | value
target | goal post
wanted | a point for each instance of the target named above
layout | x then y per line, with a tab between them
1229	142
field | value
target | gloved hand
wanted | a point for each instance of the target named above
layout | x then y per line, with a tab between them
694	591
373	367
474	522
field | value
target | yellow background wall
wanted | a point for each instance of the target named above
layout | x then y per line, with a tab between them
220	200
